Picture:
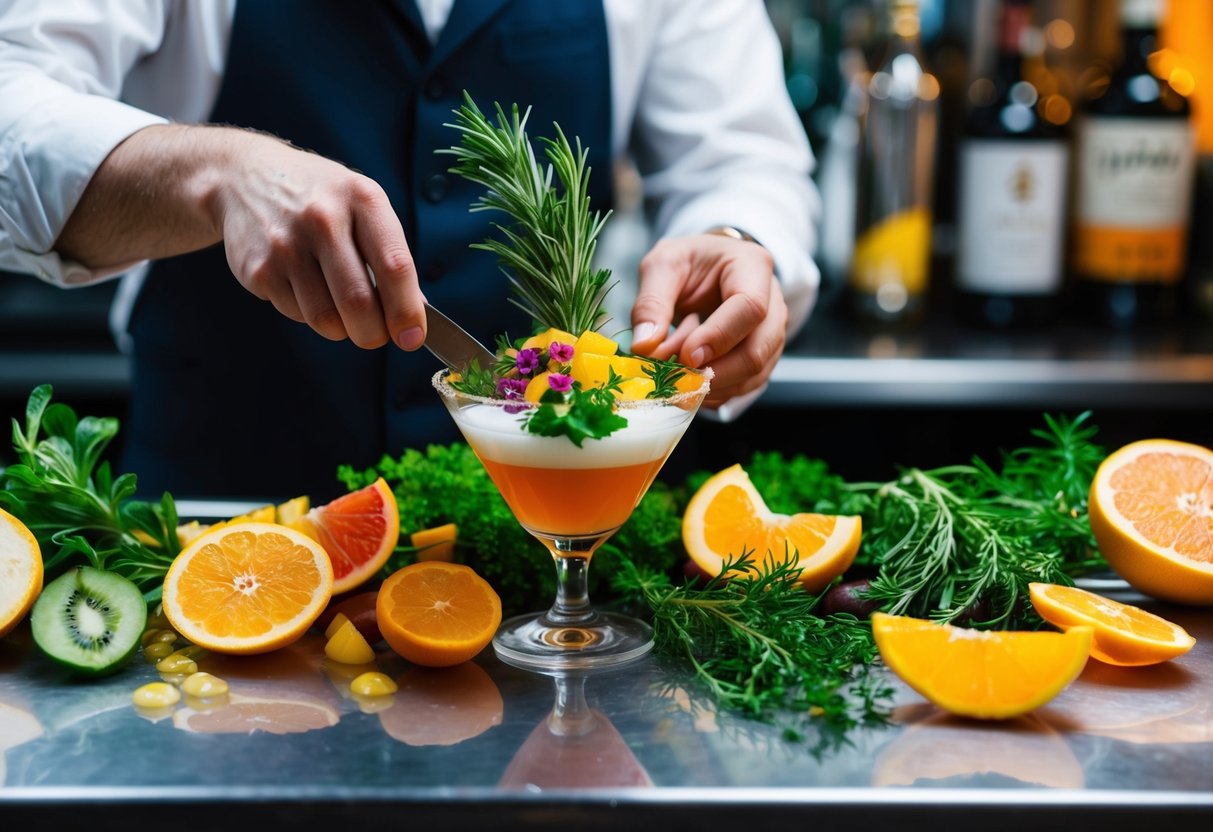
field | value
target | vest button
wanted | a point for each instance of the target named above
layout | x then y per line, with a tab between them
435	188
434	88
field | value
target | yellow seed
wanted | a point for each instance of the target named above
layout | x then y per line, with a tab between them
156	695
156	651
203	685
339	620
167	636
149	636
348	646
176	663
373	684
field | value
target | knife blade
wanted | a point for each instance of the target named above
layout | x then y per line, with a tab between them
452	345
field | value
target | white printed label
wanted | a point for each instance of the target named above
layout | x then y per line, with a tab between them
1011	216
1134	173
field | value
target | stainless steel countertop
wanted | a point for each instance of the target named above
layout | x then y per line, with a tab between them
485	744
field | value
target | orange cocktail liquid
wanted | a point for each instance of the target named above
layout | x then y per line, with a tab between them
572	502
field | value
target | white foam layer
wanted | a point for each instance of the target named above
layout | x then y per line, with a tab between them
651	433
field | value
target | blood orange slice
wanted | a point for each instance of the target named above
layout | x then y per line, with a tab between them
358	530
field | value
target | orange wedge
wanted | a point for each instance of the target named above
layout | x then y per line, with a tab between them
359	530
437	614
1151	510
437	543
247	587
1123	634
20	571
727	516
980	673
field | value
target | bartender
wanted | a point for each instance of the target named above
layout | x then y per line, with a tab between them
240	165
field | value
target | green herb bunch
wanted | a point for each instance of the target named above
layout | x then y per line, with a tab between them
76	508
548	248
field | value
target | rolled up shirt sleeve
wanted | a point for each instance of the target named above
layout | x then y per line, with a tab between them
62	66
718	142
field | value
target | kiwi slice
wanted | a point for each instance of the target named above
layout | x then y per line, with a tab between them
89	620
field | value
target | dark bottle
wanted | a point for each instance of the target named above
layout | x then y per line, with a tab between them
1136	158
1012	178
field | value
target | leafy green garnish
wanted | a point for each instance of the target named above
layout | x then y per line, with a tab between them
579	414
476	382
75	507
548	249
665	375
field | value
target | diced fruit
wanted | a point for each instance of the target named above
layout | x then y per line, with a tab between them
1124	634
635	389
596	343
595	370
438	614
727	516
542	340
537	387
373	683
348	646
339	620
358	608
204	685
980	673
359	530
437	543
89	620
188	531
156	695
1151	511
290	511
247	588
20	571
689	382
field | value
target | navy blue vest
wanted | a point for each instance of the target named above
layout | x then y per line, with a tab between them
233	399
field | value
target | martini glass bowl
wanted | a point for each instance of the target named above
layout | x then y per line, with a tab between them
572	499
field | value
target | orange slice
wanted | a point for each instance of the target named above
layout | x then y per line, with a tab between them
727	516
1151	510
247	587
437	614
1123	634
359	530
437	543
984	674
20	571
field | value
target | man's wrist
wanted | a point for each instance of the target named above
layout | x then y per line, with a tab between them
732	231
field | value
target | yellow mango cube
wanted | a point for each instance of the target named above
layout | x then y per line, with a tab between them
635	389
595	343
544	339
348	646
595	370
537	387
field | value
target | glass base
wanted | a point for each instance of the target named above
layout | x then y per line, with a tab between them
535	642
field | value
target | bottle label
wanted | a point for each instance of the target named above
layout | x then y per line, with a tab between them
1133	199
1011	216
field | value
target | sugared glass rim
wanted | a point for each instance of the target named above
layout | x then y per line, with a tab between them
447	391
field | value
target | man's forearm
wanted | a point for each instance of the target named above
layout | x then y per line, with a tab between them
154	196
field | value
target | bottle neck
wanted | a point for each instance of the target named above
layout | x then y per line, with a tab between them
1013	25
1138	43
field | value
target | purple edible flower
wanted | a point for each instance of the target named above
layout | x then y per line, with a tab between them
511	388
560	382
527	361
560	352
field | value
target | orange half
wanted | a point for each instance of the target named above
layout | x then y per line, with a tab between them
1151	511
20	571
247	587
437	614
1123	634
985	674
727	516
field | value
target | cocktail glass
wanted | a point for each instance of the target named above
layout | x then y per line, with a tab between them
572	500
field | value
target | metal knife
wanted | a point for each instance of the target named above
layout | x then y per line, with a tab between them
452	345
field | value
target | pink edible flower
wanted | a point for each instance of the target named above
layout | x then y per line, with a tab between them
560	382
526	361
511	388
560	352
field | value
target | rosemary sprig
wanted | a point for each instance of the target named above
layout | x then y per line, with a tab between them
548	249
74	505
665	375
755	643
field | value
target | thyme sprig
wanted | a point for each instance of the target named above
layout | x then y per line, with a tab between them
755	642
75	507
548	249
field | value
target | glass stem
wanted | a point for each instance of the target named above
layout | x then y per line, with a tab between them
572	595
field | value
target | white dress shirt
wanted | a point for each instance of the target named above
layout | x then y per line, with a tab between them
698	101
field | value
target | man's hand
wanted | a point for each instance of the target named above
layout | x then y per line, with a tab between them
299	230
729	310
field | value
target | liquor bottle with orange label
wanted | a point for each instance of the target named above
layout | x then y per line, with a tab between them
1136	166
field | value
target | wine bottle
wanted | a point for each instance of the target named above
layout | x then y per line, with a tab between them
890	264
1136	158
1011	204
